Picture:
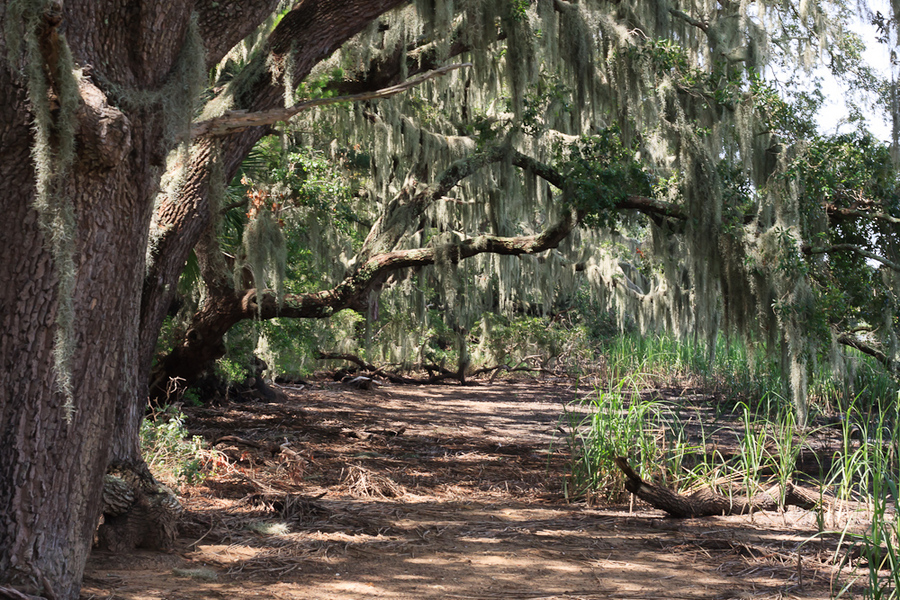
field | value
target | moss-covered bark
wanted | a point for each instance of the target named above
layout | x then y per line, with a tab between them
53	459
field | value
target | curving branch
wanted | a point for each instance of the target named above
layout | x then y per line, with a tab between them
225	23
238	120
651	206
702	25
856	250
387	70
853	341
354	288
648	206
413	199
838	213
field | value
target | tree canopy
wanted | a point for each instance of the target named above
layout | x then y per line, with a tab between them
661	151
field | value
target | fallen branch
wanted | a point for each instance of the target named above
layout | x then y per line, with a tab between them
707	503
237	120
370	368
439	374
13	594
517	369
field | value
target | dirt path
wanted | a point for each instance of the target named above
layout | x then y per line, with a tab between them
437	492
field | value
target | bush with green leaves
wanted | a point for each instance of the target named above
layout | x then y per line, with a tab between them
174	456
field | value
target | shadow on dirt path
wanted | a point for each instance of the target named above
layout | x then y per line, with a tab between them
437	492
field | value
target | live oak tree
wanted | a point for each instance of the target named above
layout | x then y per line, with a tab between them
505	146
111	189
94	96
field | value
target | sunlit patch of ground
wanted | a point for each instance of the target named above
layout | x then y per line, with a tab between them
439	492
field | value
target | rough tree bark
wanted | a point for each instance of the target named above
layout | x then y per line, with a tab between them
52	467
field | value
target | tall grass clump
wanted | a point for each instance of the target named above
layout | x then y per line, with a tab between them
864	385
768	444
871	472
736	371
617	422
740	372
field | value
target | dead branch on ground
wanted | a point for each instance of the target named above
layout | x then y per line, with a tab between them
438	373
707	503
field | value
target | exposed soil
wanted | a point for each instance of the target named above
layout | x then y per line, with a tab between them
438	492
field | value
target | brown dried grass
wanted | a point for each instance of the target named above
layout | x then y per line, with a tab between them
363	483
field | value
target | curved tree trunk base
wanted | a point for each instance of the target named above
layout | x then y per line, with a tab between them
707	503
138	511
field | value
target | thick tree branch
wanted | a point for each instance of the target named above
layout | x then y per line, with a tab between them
542	170
349	291
702	25
411	202
224	23
387	71
856	250
842	214
649	206
853	341
238	120
707	503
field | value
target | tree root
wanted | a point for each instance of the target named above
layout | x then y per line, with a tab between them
7	593
138	512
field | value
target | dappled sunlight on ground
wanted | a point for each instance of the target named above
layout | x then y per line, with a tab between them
455	494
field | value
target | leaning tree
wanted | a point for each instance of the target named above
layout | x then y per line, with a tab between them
111	188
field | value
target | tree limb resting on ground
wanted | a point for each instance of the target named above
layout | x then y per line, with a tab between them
706	502
443	373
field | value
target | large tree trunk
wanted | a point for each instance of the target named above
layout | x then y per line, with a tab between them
315	29
53	458
51	467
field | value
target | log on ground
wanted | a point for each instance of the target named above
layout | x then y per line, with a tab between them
706	502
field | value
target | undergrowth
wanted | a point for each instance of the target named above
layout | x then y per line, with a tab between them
174	456
859	482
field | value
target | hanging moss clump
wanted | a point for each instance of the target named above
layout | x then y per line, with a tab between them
54	97
264	252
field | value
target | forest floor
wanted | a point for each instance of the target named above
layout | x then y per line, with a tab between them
440	492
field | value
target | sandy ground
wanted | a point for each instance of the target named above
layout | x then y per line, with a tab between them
438	492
